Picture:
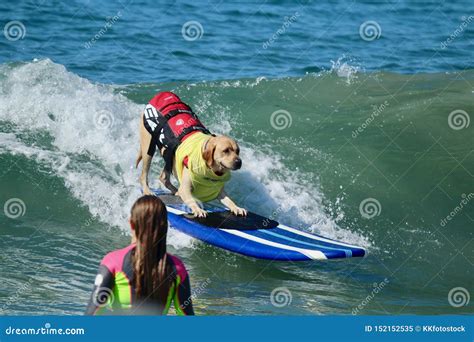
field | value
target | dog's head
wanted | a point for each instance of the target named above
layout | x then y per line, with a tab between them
222	154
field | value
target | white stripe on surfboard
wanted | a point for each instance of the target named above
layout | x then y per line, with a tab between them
314	237
175	211
309	253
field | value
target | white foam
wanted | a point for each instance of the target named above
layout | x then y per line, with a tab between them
345	68
283	195
89	124
97	164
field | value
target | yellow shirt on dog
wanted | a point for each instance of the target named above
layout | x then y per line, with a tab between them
206	184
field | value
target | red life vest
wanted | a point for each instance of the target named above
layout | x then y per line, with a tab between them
169	121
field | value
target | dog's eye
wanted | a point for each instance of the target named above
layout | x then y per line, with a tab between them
227	150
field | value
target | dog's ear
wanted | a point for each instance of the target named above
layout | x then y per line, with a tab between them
208	153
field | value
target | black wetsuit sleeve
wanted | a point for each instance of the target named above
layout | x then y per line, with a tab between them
183	298
103	285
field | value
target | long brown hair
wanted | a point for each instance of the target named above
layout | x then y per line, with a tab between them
153	274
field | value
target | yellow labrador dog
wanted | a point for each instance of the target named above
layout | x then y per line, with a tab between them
201	162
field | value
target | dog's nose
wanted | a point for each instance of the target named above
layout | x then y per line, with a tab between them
237	163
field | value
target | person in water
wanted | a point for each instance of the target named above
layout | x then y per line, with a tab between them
142	278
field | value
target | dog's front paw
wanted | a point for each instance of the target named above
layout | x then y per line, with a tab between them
198	212
239	211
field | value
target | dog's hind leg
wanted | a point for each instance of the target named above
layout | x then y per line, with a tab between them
165	179
139	157
145	141
144	175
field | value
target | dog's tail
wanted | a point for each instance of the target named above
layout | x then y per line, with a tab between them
139	158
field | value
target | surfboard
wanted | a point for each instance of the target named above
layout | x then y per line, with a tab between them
254	236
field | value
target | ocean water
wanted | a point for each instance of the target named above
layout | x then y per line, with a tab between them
353	120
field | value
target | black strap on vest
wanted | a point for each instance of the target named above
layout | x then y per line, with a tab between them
152	148
190	129
169	152
173	113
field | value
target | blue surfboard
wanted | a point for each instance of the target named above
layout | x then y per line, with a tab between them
255	236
